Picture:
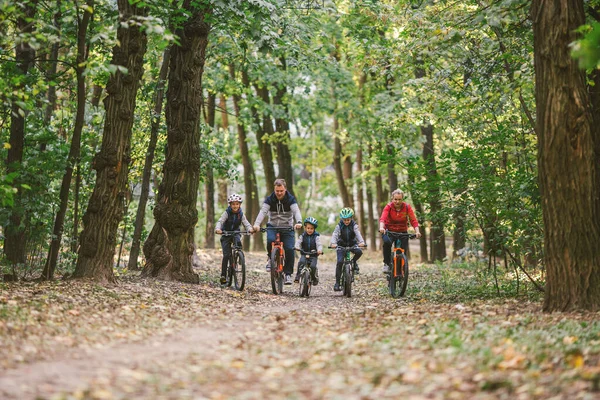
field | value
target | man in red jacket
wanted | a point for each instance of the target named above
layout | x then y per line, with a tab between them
396	217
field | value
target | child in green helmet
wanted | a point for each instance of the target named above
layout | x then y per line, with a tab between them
308	241
346	234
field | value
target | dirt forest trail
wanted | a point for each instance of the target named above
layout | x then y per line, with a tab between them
160	340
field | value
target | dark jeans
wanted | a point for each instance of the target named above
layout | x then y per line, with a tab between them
288	238
387	247
226	246
341	254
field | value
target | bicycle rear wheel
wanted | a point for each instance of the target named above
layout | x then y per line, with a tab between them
347	279
276	275
239	270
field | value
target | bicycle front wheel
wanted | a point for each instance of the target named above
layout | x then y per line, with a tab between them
305	283
347	279
276	275
395	276
404	279
239	270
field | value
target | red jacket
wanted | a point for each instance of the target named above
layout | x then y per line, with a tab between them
397	221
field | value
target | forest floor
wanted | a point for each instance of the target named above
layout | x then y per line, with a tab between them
452	337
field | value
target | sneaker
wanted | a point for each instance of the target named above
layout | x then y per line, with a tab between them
268	266
386	268
356	269
288	279
337	287
297	278
223	280
315	281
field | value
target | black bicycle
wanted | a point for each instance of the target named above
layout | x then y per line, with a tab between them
236	268
398	273
277	258
347	269
306	271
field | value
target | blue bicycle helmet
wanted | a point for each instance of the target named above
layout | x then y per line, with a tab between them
312	221
346	212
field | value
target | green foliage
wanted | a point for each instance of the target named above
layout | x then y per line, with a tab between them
587	49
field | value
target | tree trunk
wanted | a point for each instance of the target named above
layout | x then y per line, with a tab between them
264	146
75	148
391	168
209	186
249	174
284	157
170	246
337	165
568	165
438	240
419	213
140	215
360	200
15	240
107	202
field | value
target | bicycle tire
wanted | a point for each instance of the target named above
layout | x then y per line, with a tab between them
239	270
394	278
404	283
276	276
347	279
230	271
305	282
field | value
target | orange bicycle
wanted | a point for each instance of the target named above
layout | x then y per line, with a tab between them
277	259
398	276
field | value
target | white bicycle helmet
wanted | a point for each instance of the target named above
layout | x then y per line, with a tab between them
234	197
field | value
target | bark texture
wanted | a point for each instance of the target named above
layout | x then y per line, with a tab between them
15	240
170	245
568	165
75	148
107	202
140	215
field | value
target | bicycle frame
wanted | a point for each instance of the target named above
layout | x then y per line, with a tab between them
277	270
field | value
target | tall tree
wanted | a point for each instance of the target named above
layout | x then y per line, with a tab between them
282	125
567	160
209	187
140	215
15	240
107	202
265	131
170	245
75	148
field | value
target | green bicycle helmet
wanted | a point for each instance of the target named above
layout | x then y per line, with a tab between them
312	221
346	212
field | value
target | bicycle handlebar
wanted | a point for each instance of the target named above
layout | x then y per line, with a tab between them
232	233
308	253
278	228
349	247
400	234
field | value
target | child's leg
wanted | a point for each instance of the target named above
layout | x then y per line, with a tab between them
226	247
314	272
338	266
357	254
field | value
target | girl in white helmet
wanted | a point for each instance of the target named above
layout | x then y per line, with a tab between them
231	220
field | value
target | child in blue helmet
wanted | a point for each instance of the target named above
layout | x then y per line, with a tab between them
231	220
346	234
308	241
